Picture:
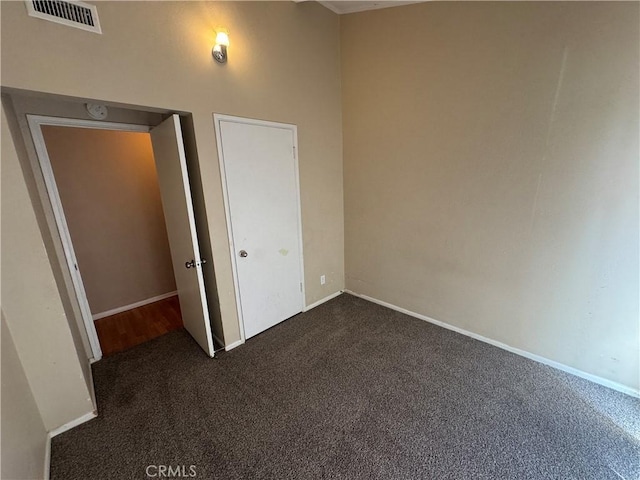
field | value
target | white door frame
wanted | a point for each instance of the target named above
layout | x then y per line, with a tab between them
217	118
35	125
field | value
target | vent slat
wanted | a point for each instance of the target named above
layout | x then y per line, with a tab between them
89	17
73	13
76	14
67	12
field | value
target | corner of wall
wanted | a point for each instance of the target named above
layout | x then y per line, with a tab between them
41	331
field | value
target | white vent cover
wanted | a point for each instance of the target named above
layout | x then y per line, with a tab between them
67	12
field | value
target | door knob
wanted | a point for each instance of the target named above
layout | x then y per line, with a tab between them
191	264
243	253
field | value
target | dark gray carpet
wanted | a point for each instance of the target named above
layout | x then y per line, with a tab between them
348	390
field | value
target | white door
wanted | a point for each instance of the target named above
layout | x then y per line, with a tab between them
260	173
168	150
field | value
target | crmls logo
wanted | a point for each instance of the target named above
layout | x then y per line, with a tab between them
170	471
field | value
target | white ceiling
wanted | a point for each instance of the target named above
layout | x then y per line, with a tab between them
346	6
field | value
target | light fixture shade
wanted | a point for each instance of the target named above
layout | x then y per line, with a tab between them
222	38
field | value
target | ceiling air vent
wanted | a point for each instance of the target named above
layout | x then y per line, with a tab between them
71	13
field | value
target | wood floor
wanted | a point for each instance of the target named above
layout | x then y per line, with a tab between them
127	329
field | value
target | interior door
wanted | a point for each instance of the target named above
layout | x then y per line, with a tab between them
263	204
168	150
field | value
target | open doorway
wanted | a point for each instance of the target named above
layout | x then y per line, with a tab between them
121	199
108	188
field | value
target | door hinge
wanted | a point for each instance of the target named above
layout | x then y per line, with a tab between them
300	286
294	152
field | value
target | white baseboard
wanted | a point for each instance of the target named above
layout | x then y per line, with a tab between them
141	303
523	353
323	300
58	431
73	423
47	458
233	345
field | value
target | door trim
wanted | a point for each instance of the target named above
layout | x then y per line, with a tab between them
217	118
35	126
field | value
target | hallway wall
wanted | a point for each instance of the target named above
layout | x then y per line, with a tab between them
32	305
23	435
109	190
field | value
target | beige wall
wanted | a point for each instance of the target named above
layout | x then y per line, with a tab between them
283	66
32	305
491	172
109	190
23	434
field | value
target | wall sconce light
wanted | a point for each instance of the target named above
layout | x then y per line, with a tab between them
219	52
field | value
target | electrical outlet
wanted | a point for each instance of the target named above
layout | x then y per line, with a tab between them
323	280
